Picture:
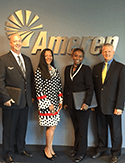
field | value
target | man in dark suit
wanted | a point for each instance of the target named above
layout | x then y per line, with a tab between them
110	93
14	117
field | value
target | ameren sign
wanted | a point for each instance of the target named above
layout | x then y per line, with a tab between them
64	45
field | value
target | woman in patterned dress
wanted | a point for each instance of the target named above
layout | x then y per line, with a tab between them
49	96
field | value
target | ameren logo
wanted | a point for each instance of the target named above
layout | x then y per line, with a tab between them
58	44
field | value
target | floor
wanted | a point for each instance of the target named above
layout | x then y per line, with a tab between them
38	156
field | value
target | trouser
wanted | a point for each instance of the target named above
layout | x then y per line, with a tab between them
114	123
80	122
14	129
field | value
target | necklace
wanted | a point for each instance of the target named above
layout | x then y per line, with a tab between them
71	69
52	72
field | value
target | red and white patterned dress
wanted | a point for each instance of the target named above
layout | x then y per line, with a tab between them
48	91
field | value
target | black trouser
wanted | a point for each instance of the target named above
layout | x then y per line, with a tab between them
114	122
80	123
14	129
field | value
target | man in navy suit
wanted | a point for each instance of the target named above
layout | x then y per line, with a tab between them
110	97
14	118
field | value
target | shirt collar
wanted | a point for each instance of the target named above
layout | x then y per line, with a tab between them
15	55
109	62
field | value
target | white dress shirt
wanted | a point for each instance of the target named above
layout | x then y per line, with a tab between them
16	57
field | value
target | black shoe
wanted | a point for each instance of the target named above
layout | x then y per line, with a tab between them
72	154
49	158
114	159
8	159
79	158
25	153
98	154
55	155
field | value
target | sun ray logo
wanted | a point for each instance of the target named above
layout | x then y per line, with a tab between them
23	24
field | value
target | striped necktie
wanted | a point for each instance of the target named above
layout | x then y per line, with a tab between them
104	72
21	66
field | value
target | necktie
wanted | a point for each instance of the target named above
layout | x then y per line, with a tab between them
104	72
21	66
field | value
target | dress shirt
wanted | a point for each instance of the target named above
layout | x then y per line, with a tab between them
16	57
108	66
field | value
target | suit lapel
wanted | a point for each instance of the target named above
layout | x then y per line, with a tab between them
100	72
13	60
26	63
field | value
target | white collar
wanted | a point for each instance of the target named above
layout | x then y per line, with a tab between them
15	55
72	76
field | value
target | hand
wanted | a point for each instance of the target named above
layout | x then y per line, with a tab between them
65	107
32	100
117	111
8	103
51	108
93	109
84	107
60	106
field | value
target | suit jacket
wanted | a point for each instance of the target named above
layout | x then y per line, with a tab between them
111	94
11	75
81	82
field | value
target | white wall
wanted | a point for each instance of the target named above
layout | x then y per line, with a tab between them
67	18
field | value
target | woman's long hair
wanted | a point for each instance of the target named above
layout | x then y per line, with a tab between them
43	65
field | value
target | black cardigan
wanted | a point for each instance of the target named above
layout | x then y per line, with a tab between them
81	82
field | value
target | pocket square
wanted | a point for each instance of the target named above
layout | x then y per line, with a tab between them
10	68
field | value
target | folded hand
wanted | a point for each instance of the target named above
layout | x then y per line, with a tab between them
8	103
117	111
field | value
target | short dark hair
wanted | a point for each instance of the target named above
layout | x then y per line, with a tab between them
79	49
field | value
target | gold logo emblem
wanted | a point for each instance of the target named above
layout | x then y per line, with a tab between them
23	24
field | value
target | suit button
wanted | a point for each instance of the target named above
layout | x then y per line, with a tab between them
102	89
25	90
